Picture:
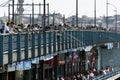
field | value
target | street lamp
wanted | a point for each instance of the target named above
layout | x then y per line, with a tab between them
115	16
95	13
13	2
44	14
106	14
76	13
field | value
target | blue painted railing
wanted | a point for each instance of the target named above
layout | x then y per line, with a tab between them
44	43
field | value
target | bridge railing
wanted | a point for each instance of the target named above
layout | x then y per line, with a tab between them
17	47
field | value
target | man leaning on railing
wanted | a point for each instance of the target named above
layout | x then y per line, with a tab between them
10	27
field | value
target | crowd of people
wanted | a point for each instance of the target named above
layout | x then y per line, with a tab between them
89	74
11	27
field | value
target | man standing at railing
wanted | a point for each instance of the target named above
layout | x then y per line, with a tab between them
9	28
12	28
6	28
1	28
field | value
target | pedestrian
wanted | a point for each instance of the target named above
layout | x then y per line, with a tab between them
1	28
6	28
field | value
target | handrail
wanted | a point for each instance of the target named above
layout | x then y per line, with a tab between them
95	37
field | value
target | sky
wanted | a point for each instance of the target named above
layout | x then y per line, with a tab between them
68	8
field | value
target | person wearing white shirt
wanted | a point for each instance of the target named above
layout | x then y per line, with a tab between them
6	28
12	28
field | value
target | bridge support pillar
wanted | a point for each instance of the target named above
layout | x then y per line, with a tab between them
99	59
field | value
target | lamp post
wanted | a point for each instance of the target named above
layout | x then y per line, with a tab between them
115	16
116	20
76	13
44	14
106	13
13	2
95	13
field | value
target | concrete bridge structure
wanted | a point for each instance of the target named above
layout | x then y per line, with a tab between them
33	48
